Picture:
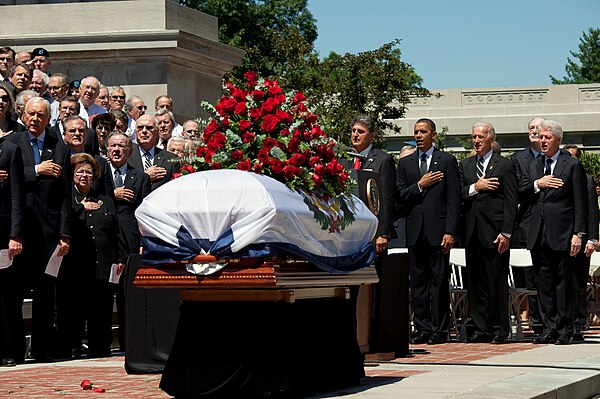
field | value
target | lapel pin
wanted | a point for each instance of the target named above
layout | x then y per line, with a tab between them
370	159
491	167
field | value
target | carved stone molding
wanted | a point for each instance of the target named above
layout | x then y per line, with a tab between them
480	98
590	94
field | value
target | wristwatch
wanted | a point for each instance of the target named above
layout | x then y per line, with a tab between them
580	234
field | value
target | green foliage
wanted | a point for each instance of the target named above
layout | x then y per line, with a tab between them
375	83
587	69
278	37
440	138
276	34
591	163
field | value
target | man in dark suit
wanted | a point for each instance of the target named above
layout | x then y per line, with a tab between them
12	203
385	319
130	186
489	193
48	185
525	277
158	164
558	222
581	268
428	187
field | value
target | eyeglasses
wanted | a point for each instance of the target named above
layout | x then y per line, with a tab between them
148	127
56	88
5	59
142	107
118	97
190	131
84	172
76	131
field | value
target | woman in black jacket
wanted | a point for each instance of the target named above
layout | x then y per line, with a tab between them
84	293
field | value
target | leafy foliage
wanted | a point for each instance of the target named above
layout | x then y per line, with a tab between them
278	37
591	163
587	70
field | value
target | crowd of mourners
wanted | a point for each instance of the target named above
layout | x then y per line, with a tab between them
76	159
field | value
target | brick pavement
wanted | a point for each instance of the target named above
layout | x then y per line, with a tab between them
62	379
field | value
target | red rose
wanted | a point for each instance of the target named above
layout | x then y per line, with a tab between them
244	165
225	122
248	137
244	124
332	167
263	156
285	132
269	143
288	171
99	390
276	165
269	106
250	78
294	144
238	94
283	116
258	95
343	177
320	169
269	123
301	108
241	109
215	165
270	83
312	161
317	179
255	113
316	132
211	128
188	168
176	175
297	172
274	90
226	106
237	155
299	97
257	168
219	139
86	384
328	155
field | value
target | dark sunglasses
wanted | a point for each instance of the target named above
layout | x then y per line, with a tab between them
118	97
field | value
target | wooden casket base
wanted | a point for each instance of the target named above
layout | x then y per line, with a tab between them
244	332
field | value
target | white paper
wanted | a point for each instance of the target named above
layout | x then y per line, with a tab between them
54	263
4	259
115	274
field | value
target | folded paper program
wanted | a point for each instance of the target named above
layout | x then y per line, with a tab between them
232	213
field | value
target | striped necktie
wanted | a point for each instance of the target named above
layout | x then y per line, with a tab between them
480	169
118	178
147	160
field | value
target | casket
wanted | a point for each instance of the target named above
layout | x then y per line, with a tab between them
252	279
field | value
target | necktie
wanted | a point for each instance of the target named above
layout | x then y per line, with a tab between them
147	160
35	145
356	163
423	164
118	178
164	144
480	169
548	170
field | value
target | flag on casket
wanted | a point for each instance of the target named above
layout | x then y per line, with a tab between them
232	213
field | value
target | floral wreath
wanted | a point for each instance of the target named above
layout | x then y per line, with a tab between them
259	128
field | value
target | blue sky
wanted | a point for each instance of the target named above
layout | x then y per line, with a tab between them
460	43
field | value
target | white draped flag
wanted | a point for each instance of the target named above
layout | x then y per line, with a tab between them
232	213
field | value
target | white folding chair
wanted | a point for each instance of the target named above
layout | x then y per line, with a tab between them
519	257
459	306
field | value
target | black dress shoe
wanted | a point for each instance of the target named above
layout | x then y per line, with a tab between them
578	337
435	339
498	340
419	339
545	338
563	340
8	362
478	338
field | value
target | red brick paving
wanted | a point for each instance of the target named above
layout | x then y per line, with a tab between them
57	380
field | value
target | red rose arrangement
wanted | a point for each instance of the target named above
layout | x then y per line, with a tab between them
87	385
258	128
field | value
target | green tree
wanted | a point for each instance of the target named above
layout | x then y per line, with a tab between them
587	69
376	83
275	34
